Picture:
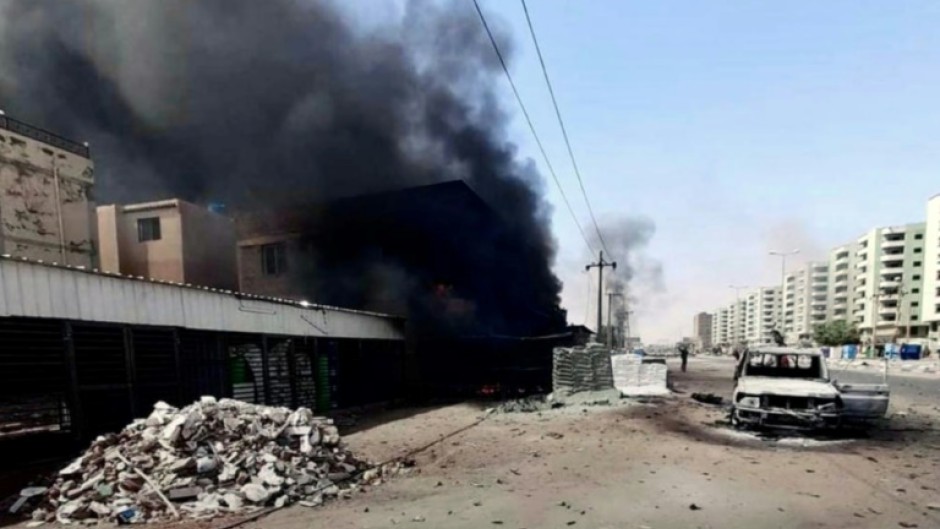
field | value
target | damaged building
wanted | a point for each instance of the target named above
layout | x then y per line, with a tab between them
46	207
438	254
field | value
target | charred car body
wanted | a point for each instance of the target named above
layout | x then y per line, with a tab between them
783	387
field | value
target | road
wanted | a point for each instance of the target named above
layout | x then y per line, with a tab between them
661	463
922	392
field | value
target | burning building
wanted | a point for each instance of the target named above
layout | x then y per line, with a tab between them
438	254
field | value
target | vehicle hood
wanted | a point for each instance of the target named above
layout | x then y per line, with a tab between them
792	387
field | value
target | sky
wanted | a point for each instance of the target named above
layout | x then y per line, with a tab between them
736	127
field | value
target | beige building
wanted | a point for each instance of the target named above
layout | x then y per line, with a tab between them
842	273
172	240
930	298
762	309
806	294
46	205
702	330
889	283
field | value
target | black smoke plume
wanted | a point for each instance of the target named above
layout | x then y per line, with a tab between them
638	277
264	104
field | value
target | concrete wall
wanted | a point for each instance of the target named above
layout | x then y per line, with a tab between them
160	259
251	277
208	248
196	246
38	218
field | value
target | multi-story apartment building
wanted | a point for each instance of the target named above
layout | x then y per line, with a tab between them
842	272
889	283
720	327
737	322
763	308
46	208
805	301
702	330
930	295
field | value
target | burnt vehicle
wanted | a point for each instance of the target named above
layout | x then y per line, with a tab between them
781	387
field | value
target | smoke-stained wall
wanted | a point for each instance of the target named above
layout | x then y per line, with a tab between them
274	103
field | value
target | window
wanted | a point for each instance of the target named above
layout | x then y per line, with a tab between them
273	259
916	278
918	263
918	250
915	303
915	291
148	229
918	236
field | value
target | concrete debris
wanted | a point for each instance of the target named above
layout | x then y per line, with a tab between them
581	369
708	398
531	404
207	459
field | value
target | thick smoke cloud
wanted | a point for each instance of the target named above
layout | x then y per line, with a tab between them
274	102
638	277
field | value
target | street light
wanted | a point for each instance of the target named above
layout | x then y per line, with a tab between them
783	281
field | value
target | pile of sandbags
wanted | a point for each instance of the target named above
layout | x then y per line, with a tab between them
576	369
209	458
638	376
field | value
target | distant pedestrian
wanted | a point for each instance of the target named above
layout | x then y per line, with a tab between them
684	355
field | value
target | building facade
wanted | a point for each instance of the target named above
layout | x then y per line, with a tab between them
763	306
46	206
889	283
806	292
170	240
702	330
930	293
842	272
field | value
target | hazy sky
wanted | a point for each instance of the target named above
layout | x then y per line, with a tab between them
737	127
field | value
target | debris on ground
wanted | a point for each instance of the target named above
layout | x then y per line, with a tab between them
708	398
531	404
207	459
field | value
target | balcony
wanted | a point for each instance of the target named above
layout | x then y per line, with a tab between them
840	305
887	310
891	284
862	262
893	243
841	278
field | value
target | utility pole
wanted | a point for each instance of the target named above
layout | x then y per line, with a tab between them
610	309
626	327
600	264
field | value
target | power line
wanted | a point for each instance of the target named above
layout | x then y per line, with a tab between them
561	123
535	135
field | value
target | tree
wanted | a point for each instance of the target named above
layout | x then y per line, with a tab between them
835	333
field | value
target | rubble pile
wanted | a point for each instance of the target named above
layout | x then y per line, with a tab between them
209	458
578	369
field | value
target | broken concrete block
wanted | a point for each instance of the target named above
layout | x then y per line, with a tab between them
183	493
255	493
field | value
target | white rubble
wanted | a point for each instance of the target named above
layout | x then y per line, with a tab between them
209	458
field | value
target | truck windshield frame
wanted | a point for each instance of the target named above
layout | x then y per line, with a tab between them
782	365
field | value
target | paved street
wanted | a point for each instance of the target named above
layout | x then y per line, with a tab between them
664	463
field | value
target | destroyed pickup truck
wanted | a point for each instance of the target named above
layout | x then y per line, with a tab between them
790	388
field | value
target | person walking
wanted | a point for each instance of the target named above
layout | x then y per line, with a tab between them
684	355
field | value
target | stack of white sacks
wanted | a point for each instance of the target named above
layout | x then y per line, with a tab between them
633	377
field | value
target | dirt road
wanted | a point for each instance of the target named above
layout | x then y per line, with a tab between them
662	464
